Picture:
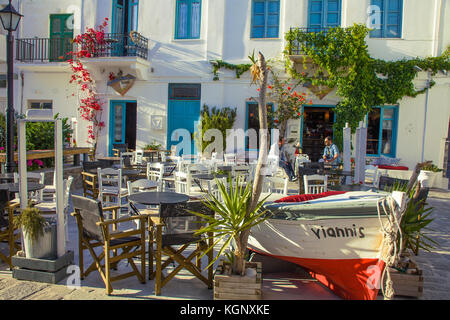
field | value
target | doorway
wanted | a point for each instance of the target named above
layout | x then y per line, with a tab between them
317	125
123	124
61	36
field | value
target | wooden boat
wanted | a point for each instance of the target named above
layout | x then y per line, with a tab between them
337	238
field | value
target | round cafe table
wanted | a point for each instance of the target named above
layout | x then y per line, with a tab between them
207	177
158	198
14	187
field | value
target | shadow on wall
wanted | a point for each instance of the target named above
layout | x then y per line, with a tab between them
234	48
146	134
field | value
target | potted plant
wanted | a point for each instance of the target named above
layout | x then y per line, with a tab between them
229	225
239	209
428	174
153	146
38	234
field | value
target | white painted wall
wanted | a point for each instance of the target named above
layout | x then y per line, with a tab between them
225	34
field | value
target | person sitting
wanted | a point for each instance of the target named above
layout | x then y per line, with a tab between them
330	152
284	160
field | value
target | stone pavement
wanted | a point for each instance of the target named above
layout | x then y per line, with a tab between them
276	286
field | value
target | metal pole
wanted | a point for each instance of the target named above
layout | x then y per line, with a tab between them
425	116
10	164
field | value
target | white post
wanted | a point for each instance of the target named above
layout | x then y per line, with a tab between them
61	239
360	153
347	136
23	181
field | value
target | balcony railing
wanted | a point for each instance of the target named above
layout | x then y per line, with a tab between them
295	46
58	49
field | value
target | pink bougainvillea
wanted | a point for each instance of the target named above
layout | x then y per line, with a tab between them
88	44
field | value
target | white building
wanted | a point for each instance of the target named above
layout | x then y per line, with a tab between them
174	76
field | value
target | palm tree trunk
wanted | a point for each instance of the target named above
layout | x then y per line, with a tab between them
262	160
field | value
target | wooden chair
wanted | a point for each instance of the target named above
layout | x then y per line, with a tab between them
89	176
126	159
110	187
371	176
179	226
7	229
276	185
315	183
141	185
94	231
118	148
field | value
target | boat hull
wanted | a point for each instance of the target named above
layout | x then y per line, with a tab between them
342	252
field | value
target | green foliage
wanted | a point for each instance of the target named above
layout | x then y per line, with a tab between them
432	168
221	119
231	218
238	68
153	146
31	222
362	82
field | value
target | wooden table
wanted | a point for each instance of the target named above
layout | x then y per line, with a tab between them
207	177
14	187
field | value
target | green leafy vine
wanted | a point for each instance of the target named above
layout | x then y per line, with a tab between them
342	61
238	68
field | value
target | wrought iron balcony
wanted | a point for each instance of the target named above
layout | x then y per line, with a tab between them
59	49
295	46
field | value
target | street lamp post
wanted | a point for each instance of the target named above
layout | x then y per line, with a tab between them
10	19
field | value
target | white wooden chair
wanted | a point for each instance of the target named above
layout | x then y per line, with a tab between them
36	177
183	182
315	183
138	157
110	187
276	185
126	159
155	172
371	176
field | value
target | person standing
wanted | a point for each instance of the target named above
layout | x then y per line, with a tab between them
284	160
330	152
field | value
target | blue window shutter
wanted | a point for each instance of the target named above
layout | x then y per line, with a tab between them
391	19
265	19
324	14
188	19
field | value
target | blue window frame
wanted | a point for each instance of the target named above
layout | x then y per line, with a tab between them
382	123
265	19
125	16
188	19
386	18
323	14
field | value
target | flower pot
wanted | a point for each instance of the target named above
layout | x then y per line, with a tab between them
44	247
426	178
228	286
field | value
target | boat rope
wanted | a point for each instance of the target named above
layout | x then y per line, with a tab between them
392	237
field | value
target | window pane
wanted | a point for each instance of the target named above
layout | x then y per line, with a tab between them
394	5
258	32
333	5
315	19
272	20
387	137
388	113
272	32
274	7
332	19
134	17
316	6
373	131
47	105
392	32
35	105
182	20
259	20
393	18
259	7
195	20
118	124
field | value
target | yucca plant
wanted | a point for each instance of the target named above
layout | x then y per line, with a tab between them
231	221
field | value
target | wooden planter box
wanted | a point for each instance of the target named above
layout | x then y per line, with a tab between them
409	283
235	287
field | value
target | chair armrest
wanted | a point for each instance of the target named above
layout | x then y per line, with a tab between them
88	174
120	220
111	208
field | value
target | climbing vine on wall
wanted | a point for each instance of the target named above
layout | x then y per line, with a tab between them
343	62
238	68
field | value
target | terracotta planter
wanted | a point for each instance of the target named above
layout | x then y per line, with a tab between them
234	287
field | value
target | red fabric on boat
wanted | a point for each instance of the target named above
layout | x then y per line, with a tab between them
307	197
401	168
350	279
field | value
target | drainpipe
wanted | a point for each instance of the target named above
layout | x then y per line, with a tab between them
425	117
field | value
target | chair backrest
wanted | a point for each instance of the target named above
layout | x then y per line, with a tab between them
138	156
110	178
92	165
122	147
315	183
276	185
386	183
371	176
183	182
139	185
91	212
155	171
126	159
229	158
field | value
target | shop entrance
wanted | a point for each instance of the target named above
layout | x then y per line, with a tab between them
317	124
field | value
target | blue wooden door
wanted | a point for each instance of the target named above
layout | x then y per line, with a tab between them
117	124
183	114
